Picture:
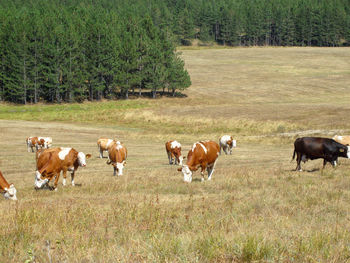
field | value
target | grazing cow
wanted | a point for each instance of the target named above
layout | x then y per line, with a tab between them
345	140
8	190
117	157
203	154
226	142
38	142
103	144
173	149
316	148
51	162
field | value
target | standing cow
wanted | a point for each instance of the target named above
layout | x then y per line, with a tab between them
227	143
38	143
8	190
117	157
173	149
203	154
315	148
51	162
103	144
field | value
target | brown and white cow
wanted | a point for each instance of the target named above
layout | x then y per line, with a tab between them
203	154
38	143
173	149
8	190
117	157
227	143
345	139
51	162
103	144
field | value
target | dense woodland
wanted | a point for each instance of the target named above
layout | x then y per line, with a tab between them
66	51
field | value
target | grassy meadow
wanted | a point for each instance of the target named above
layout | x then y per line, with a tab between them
255	209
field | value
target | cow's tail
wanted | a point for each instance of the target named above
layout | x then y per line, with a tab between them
293	155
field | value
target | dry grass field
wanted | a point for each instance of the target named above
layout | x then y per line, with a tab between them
256	208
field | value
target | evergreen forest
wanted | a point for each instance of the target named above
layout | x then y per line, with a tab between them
71	51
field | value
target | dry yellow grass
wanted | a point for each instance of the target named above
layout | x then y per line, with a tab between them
255	208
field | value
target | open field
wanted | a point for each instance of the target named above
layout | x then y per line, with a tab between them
255	208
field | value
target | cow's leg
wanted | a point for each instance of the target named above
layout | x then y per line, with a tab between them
56	181
170	158
72	177
225	149
298	162
64	182
220	149
101	153
211	170
230	150
324	163
115	170
32	148
203	166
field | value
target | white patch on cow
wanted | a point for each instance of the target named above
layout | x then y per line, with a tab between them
64	181
181	158
234	143
81	159
39	183
120	167
175	144
205	149
194	146
63	153
119	146
109	142
187	173
10	193
348	152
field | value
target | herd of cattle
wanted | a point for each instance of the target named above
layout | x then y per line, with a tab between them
51	161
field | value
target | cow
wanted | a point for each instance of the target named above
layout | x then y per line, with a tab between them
103	144
315	148
38	143
51	162
226	142
45	142
345	140
173	149
203	154
32	142
117	157
8	190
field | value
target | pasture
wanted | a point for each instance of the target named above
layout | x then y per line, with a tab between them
256	208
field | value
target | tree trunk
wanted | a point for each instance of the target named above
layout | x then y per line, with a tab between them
24	81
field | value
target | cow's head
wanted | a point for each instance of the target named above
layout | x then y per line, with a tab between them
10	193
82	158
39	182
120	167
186	172
234	143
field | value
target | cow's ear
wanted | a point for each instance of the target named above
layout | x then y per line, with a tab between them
179	169
341	150
88	156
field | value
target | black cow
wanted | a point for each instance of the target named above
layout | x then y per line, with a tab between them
316	147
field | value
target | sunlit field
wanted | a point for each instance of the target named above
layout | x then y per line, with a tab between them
255	208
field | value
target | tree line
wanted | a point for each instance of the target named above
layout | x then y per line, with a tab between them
73	50
57	51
